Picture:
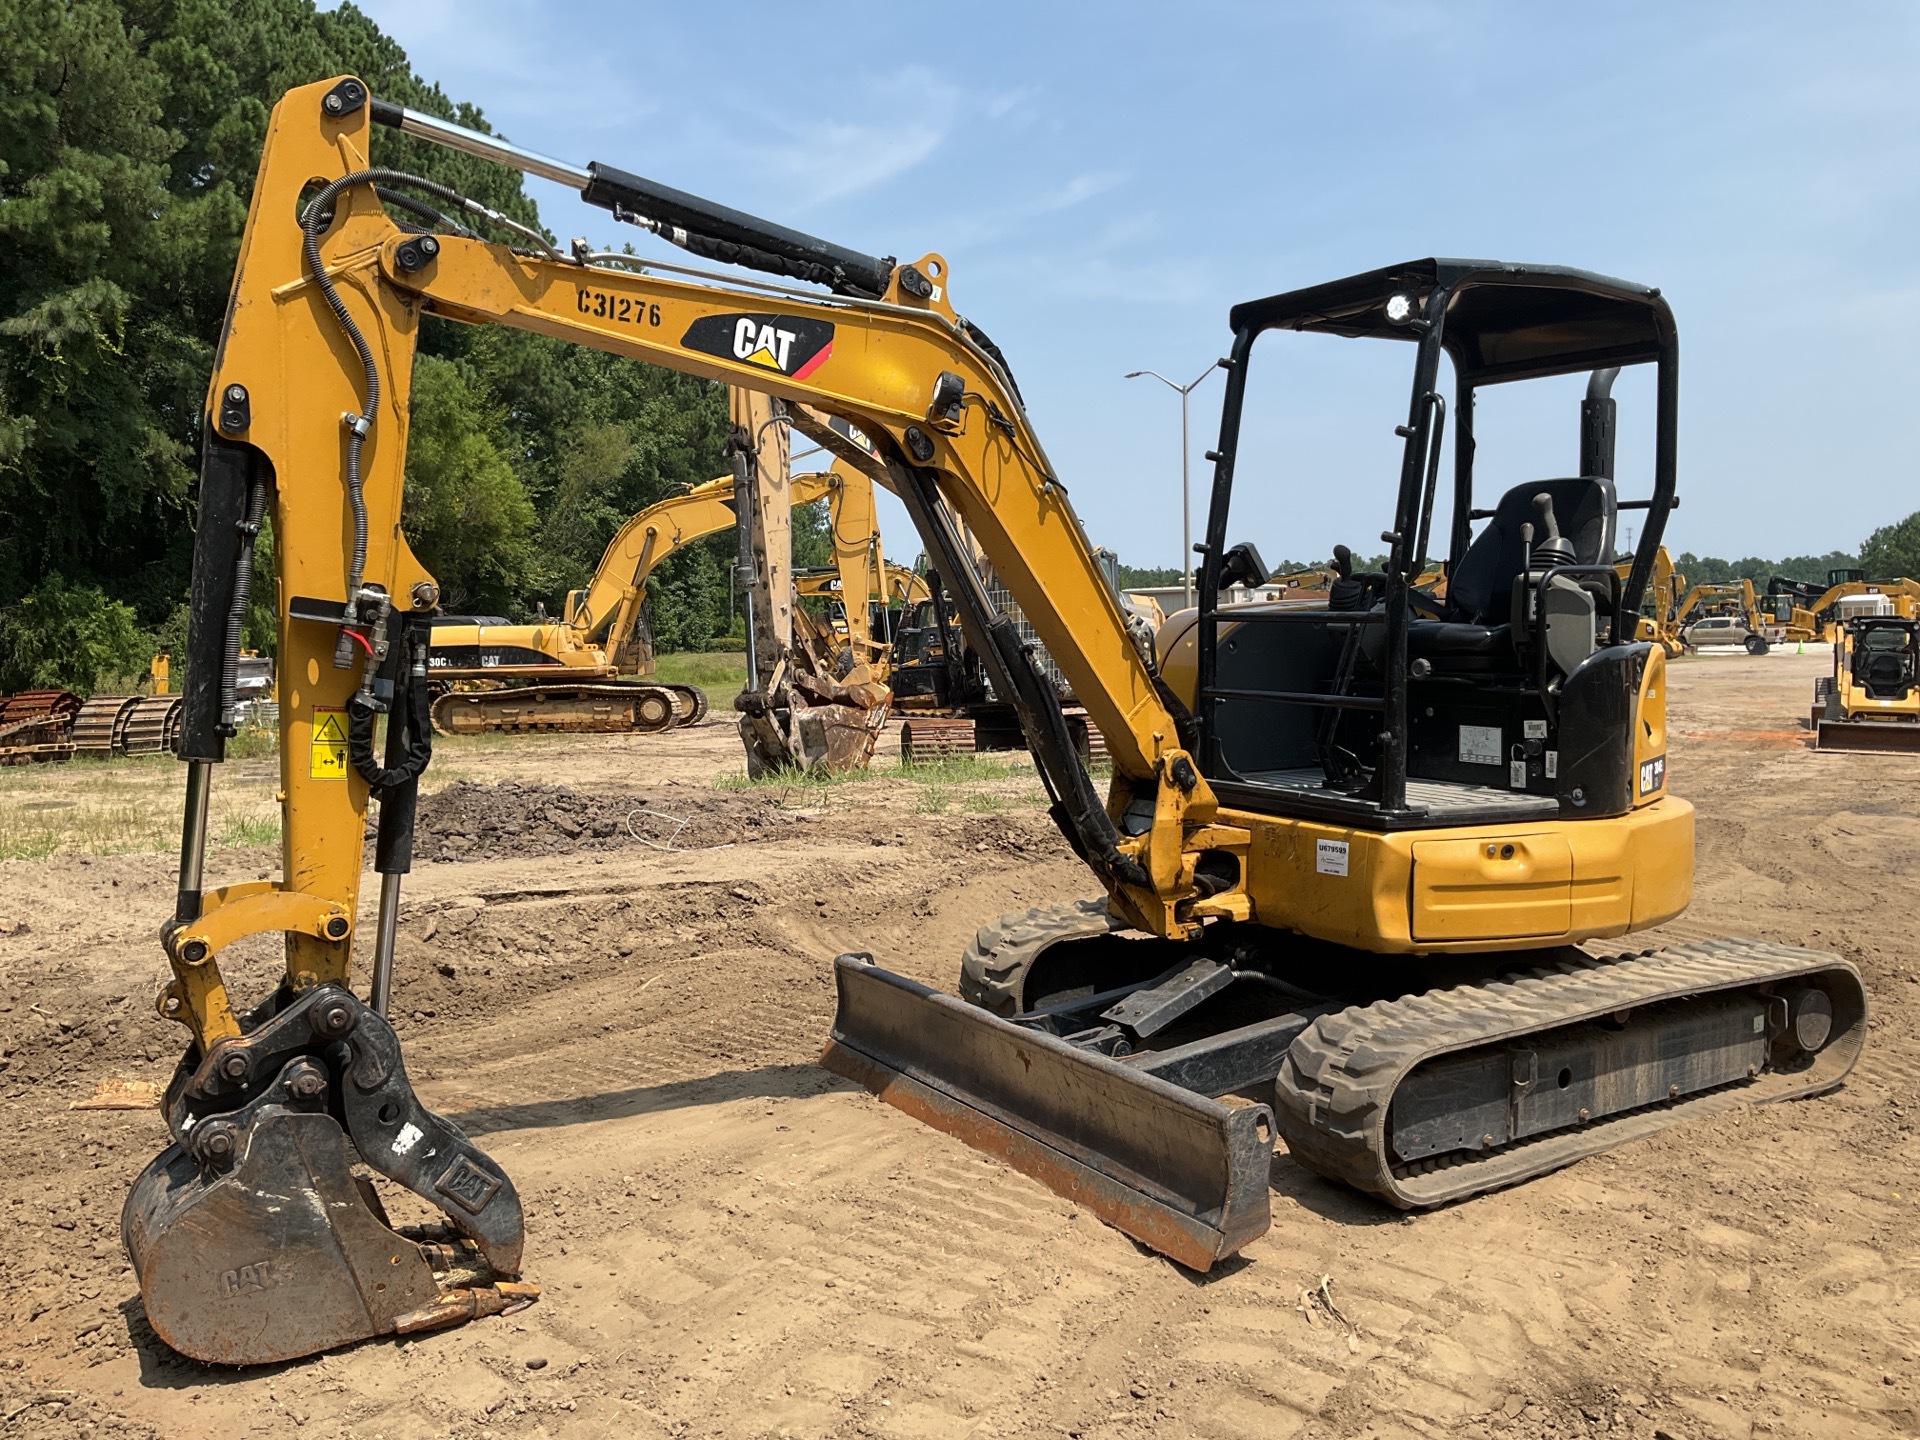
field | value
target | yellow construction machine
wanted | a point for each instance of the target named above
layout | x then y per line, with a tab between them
1809	613
1872	699
1659	621
588	671
862	634
1729	613
1346	852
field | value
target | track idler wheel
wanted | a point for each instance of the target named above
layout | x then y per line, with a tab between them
654	709
253	1238
691	701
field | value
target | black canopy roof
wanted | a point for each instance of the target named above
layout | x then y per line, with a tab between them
1503	321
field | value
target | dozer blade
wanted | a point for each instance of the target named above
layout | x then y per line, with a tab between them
1867	735
1181	1173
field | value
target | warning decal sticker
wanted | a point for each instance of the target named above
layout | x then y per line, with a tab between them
1330	857
1482	745
327	751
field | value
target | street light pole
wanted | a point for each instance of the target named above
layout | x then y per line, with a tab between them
1186	485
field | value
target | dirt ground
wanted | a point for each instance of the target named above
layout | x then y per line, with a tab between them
734	1243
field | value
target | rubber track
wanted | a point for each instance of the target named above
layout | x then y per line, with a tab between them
696	704
1336	1086
993	972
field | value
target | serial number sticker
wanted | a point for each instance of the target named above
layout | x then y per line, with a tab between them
1517	774
1482	745
622	309
327	750
1330	857
1553	764
408	1137
1653	774
1534	729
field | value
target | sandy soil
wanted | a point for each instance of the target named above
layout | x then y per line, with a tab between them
734	1243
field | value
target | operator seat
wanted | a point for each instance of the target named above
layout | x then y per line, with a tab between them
1475	635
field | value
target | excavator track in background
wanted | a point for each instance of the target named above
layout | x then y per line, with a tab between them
1435	1097
612	709
925	738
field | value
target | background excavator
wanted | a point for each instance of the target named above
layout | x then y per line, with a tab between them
853	633
583	672
1812	613
1660	607
1345	851
1736	599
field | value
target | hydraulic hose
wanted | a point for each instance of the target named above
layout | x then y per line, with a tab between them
313	220
237	612
417	702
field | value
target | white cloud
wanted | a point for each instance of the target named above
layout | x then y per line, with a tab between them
850	136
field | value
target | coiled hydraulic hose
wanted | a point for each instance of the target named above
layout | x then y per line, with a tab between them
413	706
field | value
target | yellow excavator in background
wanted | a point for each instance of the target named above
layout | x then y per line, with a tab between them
860	634
1346	852
588	670
1659	621
1735	599
1809	613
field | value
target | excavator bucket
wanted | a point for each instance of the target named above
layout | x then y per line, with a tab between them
254	1239
1177	1171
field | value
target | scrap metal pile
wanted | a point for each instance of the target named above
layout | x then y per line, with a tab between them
57	725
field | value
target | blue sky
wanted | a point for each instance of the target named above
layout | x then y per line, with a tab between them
1106	180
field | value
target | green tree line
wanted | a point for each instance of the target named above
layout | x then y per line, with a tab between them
130	131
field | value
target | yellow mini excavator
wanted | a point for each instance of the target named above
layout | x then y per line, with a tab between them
589	670
1347	852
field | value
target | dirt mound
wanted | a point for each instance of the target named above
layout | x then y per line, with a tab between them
468	821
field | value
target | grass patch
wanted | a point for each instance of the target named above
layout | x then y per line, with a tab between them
970	784
110	829
720	671
253	742
952	770
240	830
